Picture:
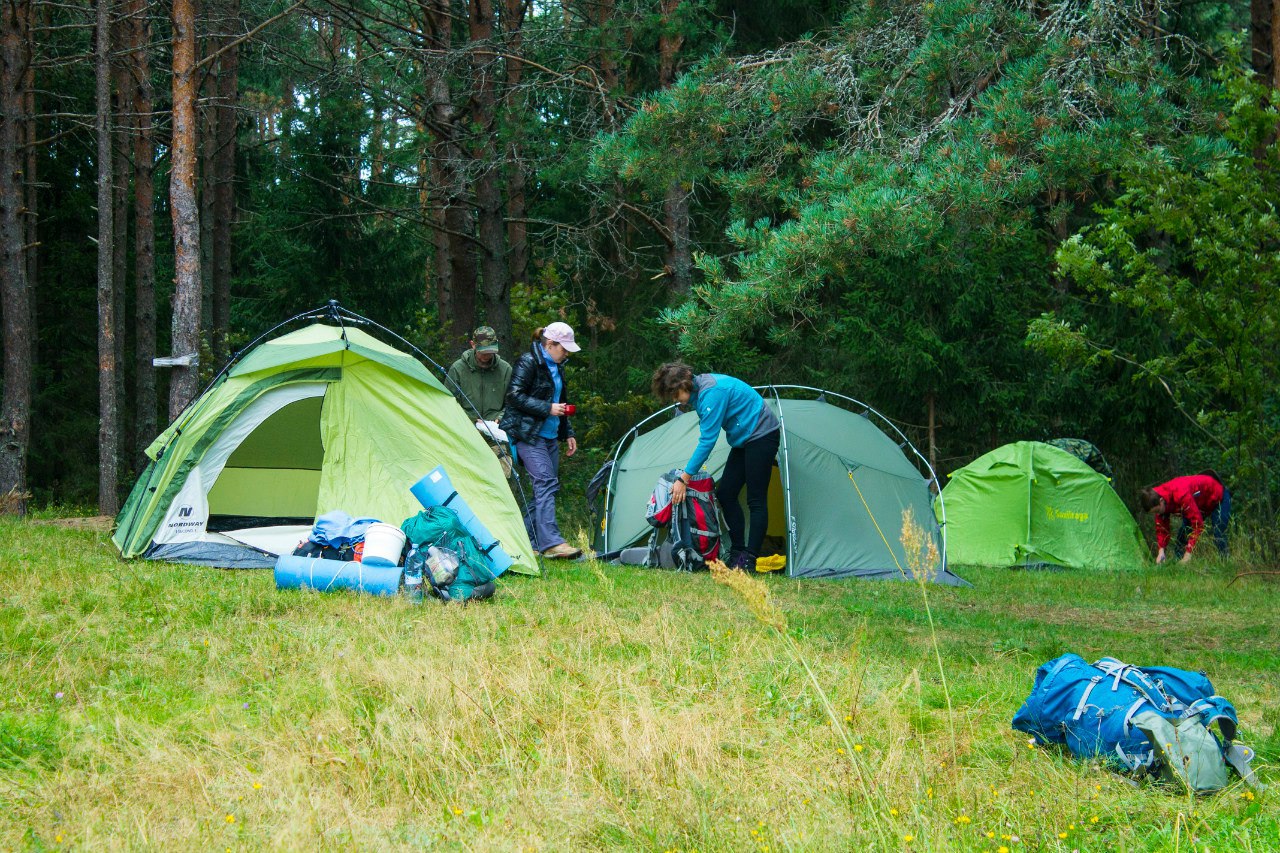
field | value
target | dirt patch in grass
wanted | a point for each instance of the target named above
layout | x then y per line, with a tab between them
89	522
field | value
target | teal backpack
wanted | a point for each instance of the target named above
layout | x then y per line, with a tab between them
440	526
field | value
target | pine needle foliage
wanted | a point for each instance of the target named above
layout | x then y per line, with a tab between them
898	189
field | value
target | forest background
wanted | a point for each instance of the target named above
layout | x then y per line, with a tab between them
992	221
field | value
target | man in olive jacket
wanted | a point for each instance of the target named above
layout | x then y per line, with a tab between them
482	375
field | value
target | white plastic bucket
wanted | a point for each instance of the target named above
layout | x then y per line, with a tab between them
383	544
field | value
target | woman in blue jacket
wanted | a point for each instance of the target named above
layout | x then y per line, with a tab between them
752	431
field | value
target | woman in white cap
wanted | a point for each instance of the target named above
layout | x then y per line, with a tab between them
536	417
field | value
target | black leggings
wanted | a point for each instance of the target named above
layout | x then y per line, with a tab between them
750	465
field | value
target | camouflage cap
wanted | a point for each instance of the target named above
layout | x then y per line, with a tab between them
485	339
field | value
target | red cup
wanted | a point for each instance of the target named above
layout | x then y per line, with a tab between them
570	408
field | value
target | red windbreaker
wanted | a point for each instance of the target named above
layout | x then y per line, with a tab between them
1192	497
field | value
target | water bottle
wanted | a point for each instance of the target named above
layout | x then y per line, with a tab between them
413	576
443	565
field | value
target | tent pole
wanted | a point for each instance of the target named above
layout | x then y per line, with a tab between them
786	483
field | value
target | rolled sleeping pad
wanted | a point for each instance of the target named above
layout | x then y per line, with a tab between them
325	575
435	489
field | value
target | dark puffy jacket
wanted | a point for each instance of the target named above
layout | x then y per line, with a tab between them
529	397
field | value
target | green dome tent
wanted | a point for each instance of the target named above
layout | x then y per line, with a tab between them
1027	504
324	418
837	496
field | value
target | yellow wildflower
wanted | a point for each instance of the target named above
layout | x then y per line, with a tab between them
1003	849
908	838
257	786
857	747
1062	835
964	819
840	750
991	835
848	718
231	818
893	812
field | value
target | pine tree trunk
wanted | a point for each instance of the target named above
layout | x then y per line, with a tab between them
675	208
207	142
1275	43
517	230
108	402
31	174
488	188
122	130
455	250
224	171
15	298
144	275
187	301
1263	33
932	402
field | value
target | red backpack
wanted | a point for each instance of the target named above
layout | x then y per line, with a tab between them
693	527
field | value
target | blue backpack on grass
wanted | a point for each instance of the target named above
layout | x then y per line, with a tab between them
1143	720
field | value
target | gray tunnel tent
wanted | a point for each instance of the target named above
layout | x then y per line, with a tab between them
838	494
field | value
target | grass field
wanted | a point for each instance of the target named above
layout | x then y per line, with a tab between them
156	706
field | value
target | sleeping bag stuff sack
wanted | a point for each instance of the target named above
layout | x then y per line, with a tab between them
1143	720
435	489
325	575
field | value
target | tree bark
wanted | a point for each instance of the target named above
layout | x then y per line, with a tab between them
513	14
108	401
455	253
121	134
1262	38
31	174
675	207
224	175
15	298
144	275
488	187
1275	43
187	301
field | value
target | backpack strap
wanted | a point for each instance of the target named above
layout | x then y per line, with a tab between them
1138	680
1084	697
1137	760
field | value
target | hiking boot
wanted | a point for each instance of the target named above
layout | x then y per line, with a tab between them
563	551
744	562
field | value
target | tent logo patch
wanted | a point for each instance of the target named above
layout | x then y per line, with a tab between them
184	512
1062	515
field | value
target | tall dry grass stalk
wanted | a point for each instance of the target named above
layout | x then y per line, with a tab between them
755	594
924	563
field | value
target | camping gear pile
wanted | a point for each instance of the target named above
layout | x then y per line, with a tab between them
1144	721
437	549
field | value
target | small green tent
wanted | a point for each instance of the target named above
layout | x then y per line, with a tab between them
324	418
837	496
1028	503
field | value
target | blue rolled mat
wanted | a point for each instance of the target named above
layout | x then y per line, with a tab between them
297	572
435	489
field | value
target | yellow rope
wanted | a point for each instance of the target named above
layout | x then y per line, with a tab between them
872	516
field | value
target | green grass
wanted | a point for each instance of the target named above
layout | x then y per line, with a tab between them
593	707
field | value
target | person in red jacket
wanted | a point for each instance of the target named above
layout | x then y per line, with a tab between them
1195	498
